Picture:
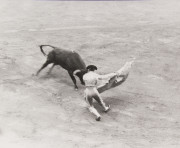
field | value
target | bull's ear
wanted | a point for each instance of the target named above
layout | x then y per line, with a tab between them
76	71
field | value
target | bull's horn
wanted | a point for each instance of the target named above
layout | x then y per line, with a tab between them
76	71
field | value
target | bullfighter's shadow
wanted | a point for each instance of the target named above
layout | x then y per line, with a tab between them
116	102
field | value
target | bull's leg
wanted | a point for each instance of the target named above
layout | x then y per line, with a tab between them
43	66
50	70
80	76
73	79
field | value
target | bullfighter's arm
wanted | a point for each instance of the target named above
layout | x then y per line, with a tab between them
107	76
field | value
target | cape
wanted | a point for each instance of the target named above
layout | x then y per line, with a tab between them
122	75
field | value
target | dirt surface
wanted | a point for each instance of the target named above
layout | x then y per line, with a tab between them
46	111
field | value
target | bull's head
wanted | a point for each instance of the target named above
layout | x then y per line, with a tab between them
77	72
80	74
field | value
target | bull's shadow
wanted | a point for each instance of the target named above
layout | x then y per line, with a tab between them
60	75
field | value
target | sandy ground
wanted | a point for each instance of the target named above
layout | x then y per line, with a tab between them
46	112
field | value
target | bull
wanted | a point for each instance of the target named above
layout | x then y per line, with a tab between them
69	60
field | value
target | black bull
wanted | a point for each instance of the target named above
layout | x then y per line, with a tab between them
69	60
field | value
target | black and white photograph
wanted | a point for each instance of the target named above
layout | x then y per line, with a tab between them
89	73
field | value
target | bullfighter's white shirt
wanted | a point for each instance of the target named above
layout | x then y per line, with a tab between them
91	78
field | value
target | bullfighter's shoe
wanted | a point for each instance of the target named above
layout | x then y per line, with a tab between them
98	118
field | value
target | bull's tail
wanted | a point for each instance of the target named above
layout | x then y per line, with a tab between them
41	47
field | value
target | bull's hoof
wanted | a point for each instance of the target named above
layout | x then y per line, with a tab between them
98	118
76	88
82	83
